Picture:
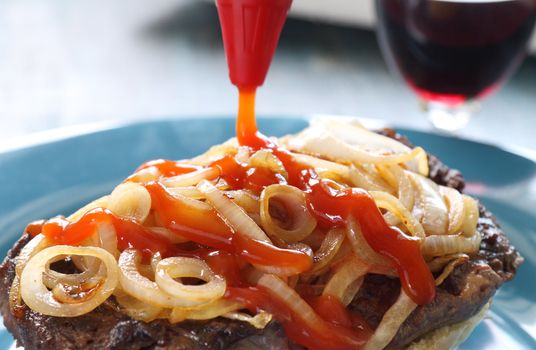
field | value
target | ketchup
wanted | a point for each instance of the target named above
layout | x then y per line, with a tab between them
130	234
251	29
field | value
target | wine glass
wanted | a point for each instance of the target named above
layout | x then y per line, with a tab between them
452	53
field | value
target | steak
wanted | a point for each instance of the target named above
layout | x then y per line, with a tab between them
465	291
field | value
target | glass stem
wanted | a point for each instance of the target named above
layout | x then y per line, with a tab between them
450	118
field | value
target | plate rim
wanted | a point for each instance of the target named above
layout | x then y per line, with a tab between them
49	136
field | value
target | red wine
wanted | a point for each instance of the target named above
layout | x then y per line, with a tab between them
451	51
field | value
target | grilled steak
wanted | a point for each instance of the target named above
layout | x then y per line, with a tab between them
461	295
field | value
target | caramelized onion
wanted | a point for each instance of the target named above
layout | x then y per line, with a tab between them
360	246
167	270
187	191
328	250
471	215
135	308
347	142
301	310
232	214
208	311
392	204
40	299
391	322
52	278
429	206
265	158
191	179
34	246
245	199
299	221
334	149
361	178
346	274
439	263
405	186
108	238
101	202
450	267
437	245
168	234
455	204
130	200
258	321
142	288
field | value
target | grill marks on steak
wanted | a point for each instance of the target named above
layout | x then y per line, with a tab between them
467	289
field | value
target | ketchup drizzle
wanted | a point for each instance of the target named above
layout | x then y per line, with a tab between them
227	251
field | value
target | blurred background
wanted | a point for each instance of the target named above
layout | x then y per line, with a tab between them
65	63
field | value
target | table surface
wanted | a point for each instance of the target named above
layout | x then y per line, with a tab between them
73	62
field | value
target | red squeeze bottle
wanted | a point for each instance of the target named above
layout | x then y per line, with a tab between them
251	30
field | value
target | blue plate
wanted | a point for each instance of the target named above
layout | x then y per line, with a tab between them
59	176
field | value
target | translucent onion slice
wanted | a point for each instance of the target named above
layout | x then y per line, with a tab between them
191	179
392	204
405	186
247	200
450	267
337	150
135	308
232	214
145	175
324	168
258	321
347	274
265	158
439	263
471	216
34	246
130	200
351	291
291	298
359	177
345	141
69	294
191	192
40	299
361	247
433	211
187	191
438	245
300	309
142	288
105	237
243	154
101	202
108	238
455	203
205	312
299	221
167	270
52	278
228	148
168	234
391	322
328	250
